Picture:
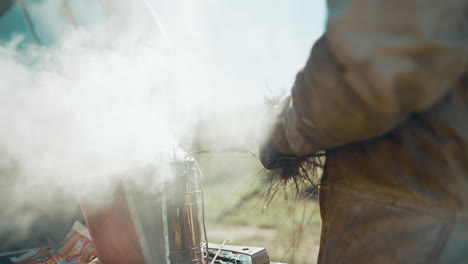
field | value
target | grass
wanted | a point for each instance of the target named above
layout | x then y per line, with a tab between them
237	210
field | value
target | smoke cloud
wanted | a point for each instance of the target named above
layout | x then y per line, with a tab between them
78	115
121	93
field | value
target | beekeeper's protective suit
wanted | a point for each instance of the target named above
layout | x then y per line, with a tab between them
385	93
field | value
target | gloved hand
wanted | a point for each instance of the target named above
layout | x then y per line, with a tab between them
273	150
269	154
284	151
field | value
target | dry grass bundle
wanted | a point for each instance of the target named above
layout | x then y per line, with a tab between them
299	173
299	177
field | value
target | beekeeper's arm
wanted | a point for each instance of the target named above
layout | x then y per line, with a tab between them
378	62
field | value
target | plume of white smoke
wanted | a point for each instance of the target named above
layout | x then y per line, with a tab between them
113	96
85	111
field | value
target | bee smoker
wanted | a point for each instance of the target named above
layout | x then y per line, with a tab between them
156	226
168	222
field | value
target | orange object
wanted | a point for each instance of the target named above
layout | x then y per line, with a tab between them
112	230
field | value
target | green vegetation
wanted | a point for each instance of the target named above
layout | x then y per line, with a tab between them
237	210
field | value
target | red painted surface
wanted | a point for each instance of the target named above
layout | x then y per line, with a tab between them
112	230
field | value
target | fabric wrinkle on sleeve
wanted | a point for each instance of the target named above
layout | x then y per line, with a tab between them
379	62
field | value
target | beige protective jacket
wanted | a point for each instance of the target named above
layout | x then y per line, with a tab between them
385	93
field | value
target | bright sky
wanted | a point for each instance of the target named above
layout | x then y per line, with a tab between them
229	53
243	46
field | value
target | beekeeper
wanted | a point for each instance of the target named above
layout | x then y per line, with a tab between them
385	94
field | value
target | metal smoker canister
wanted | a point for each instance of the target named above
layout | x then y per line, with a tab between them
167	221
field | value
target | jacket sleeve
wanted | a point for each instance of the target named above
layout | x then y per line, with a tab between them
378	62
